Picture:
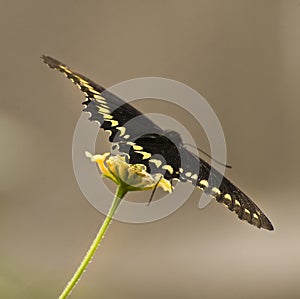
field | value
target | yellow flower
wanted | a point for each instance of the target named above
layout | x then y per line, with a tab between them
133	177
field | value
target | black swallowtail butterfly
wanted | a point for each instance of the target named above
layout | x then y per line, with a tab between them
113	113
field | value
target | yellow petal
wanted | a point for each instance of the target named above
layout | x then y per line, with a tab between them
100	160
165	185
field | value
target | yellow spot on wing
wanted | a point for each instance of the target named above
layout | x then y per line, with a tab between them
204	183
194	176
236	202
227	196
169	168
122	130
65	69
188	174
95	92
113	122
247	211
216	190
101	102
137	147
145	154
107	116
99	99
87	85
156	162
255	216
103	110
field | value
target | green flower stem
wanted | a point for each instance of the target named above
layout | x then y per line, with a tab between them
120	193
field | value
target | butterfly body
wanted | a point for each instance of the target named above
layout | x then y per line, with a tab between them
161	151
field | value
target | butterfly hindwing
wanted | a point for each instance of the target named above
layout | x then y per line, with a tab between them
236	200
166	158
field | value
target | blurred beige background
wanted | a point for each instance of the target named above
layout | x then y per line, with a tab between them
242	56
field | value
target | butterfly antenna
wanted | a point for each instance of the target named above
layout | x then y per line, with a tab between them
208	155
171	181
152	194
